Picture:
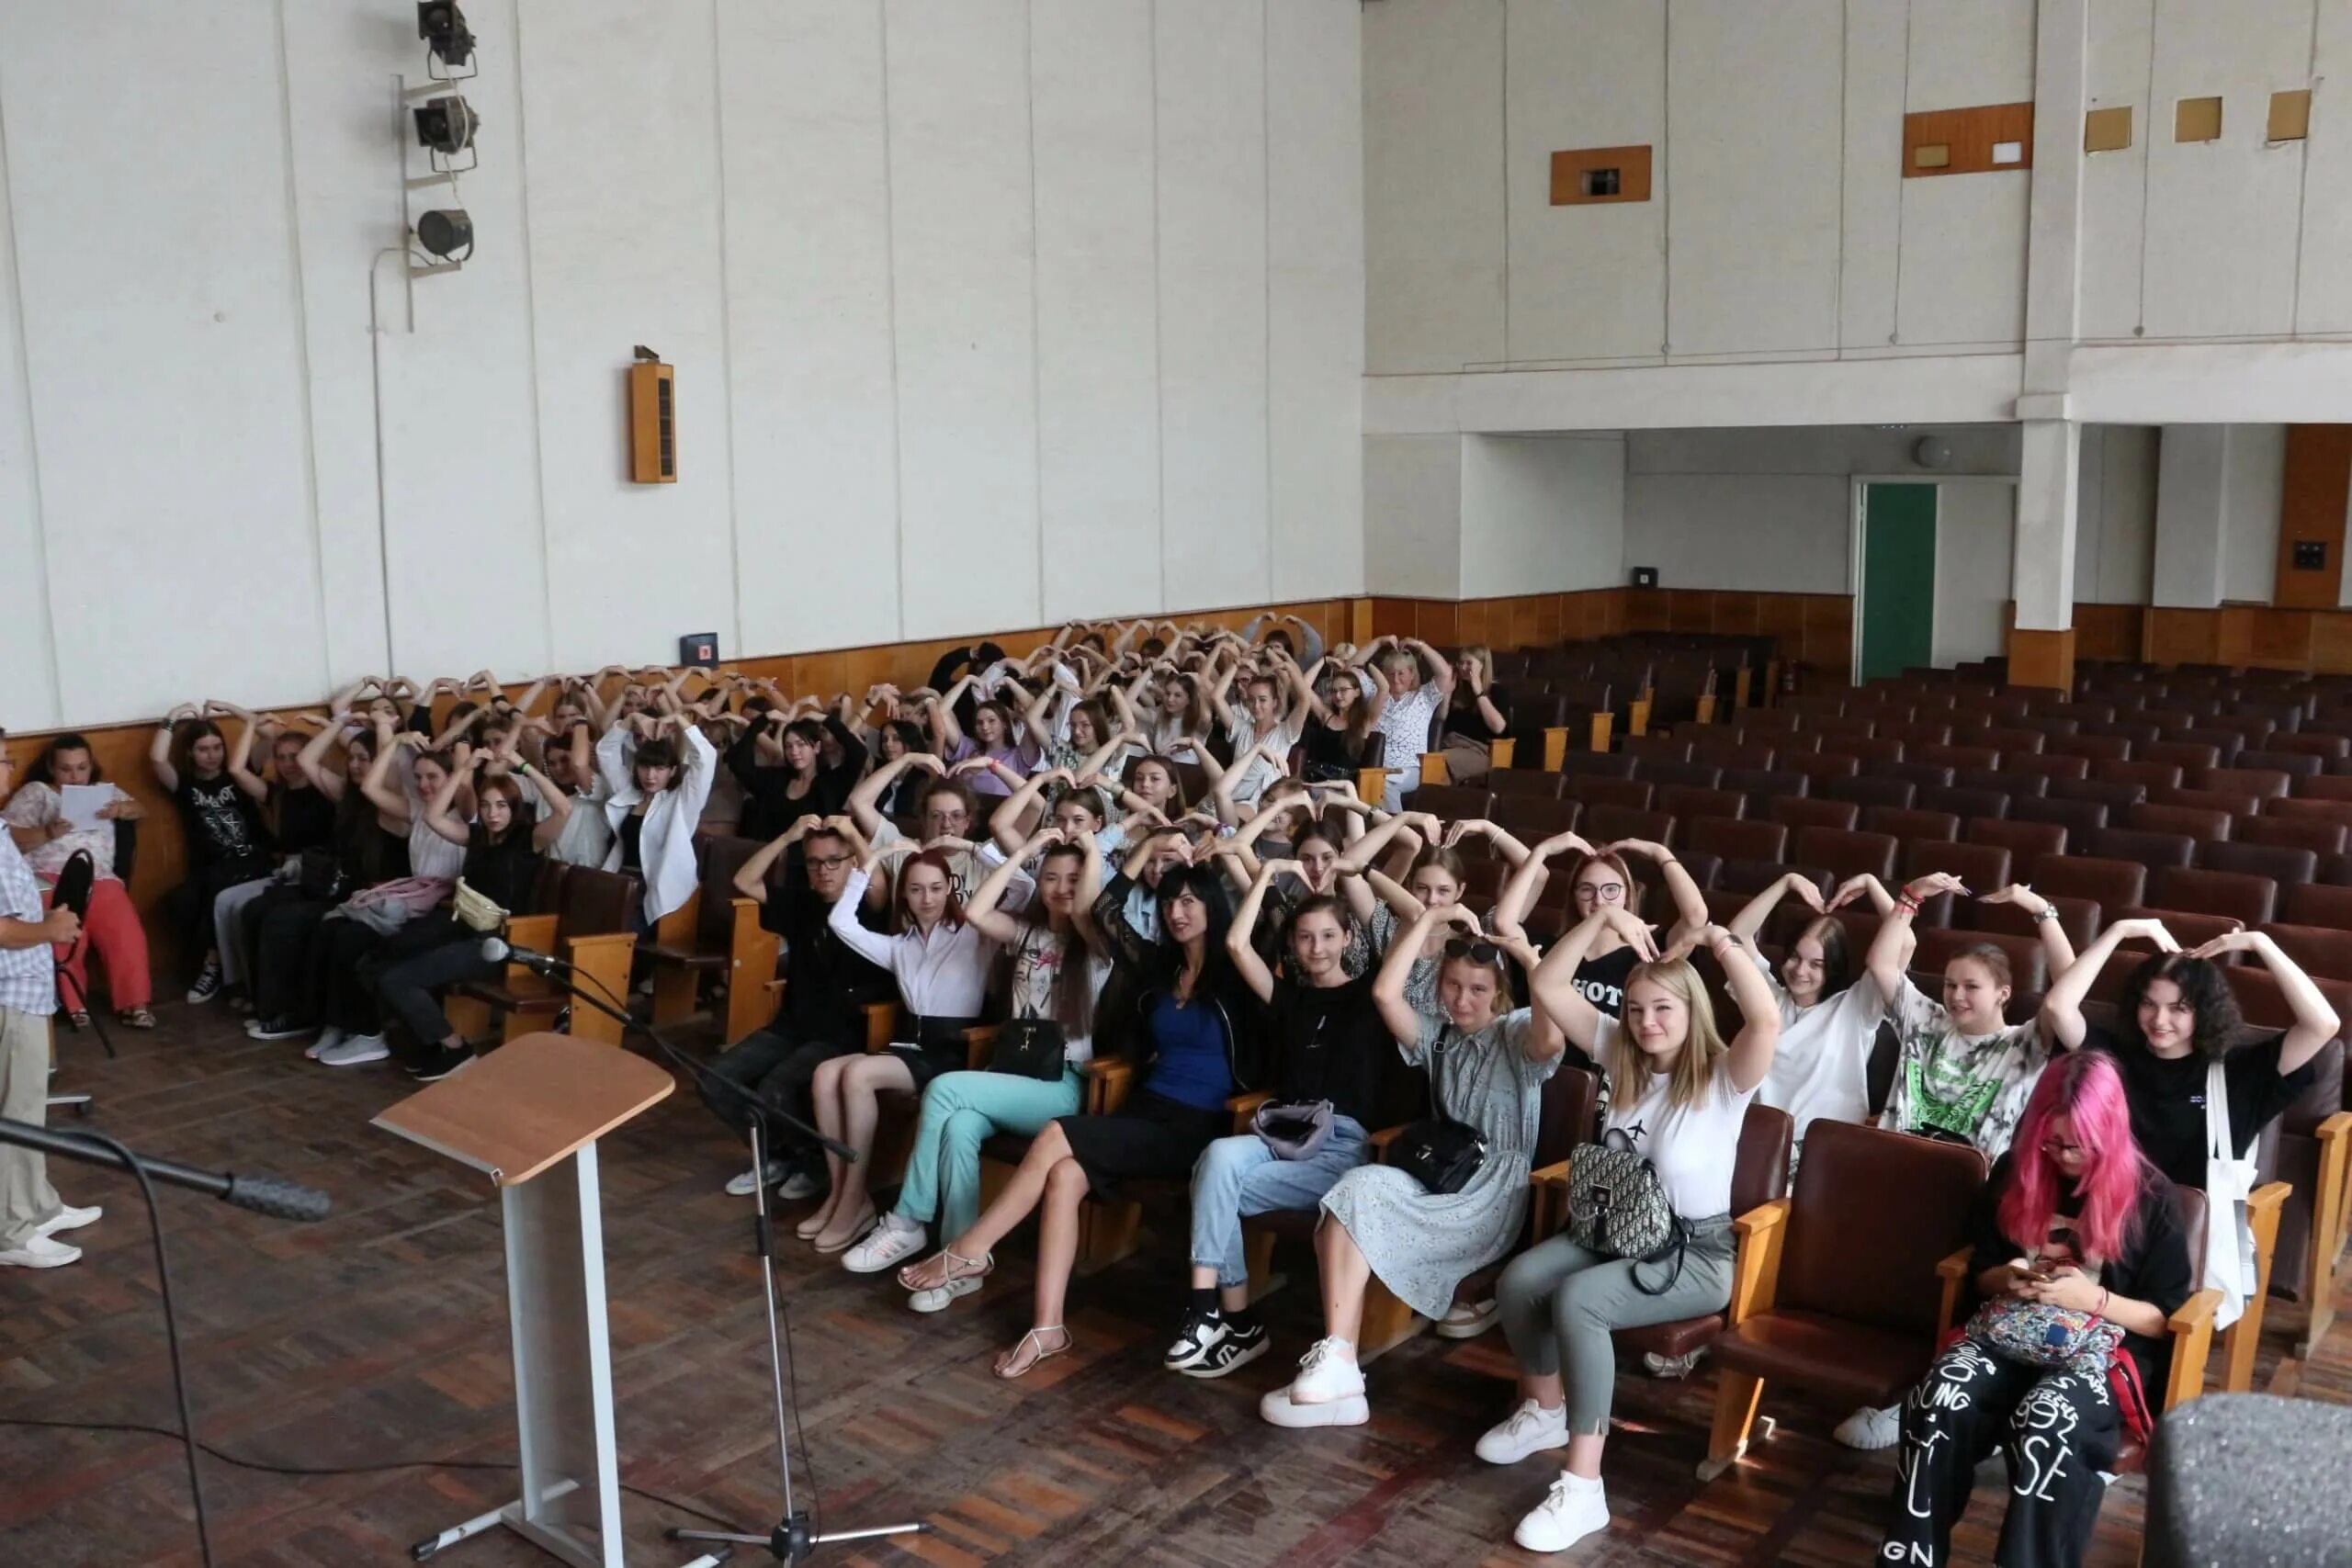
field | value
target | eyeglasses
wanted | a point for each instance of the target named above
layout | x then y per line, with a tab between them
1475	951
2057	1150
1606	892
827	862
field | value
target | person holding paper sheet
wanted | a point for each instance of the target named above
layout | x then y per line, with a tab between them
66	806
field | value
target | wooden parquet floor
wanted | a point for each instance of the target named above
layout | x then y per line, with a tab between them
381	1334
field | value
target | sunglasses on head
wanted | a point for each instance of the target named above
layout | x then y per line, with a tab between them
1475	951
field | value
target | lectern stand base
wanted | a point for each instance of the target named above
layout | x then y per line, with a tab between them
557	1543
791	1541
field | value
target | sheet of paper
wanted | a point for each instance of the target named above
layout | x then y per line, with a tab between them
82	802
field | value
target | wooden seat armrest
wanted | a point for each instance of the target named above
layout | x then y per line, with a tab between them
2266	1198
2192	1342
1501	751
1106	1081
1953	1270
2331	1194
1382	1140
979	1042
1549	1173
1555	747
534	931
1547	1201
881	1022
1755	1265
1244	1107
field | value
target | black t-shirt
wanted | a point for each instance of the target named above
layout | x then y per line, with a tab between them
2154	1265
2167	1098
367	851
632	836
1462	715
1327	1043
506	874
1326	745
221	823
1602	980
306	820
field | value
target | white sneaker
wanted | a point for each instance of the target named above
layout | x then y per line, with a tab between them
39	1252
1572	1510
1867	1430
1277	1408
1531	1430
892	1241
799	1185
1326	1373
743	1186
943	1298
355	1049
70	1218
329	1038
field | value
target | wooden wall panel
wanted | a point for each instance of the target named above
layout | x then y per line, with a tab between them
1967	137
2109	631
2183	636
2311	510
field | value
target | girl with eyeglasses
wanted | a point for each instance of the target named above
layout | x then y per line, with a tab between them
2074	1218
1487	1064
1603	879
1678	1095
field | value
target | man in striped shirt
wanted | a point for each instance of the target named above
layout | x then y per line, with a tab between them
31	1211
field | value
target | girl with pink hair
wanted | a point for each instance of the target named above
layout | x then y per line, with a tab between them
2075	1224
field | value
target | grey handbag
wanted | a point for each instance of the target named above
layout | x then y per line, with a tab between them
1292	1130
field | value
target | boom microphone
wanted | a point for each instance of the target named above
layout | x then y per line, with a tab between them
498	950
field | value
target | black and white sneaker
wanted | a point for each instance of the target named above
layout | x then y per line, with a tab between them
1199	1333
439	1063
208	982
1237	1346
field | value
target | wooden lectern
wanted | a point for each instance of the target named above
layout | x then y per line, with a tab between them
529	1115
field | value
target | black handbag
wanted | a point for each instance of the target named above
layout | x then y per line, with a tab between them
1029	1048
319	875
1442	1154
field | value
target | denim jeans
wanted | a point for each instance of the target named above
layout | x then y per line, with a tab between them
1238	1176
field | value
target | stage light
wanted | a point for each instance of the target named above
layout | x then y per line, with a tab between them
445	232
442	27
446	125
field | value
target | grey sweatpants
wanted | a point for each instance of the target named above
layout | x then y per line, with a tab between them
1560	1302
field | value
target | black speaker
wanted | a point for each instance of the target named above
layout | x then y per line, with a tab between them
1645	577
700	648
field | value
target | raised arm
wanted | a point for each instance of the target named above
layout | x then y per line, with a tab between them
377	786
1890	954
1863	885
752	876
241	754
1513	852
1388	987
2062	1004
548	828
1519	894
437	815
313	763
159	749
1760	1011
1436	668
1553	987
1004	822
2058	952
1237	937
1752	915
1480	683
1689	904
2316	1022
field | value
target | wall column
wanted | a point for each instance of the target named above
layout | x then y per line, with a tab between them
2192	517
2042	640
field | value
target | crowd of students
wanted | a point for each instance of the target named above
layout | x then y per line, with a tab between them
1015	843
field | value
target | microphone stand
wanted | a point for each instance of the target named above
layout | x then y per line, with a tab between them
794	1537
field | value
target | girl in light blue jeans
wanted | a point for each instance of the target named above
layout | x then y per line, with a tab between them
1326	1044
1054	975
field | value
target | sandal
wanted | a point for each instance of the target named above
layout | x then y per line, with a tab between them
1010	1365
136	1018
973	1268
78	1020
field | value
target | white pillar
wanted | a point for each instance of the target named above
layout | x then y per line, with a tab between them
2192	515
2049	475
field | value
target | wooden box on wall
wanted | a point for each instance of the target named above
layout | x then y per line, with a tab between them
652	423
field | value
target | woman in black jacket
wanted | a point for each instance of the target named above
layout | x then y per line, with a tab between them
1195	1011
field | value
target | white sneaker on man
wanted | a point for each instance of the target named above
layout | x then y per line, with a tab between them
1328	1391
69	1218
40	1252
1531	1430
1572	1510
1870	1429
891	1242
355	1049
746	1184
800	1184
329	1038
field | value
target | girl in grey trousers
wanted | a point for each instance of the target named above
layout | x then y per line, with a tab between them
1679	1093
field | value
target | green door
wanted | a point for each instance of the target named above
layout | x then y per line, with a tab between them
1898	608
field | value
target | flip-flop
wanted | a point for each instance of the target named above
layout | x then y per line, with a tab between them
136	1018
1036	1344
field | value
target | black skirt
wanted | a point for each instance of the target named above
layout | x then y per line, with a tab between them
1153	1138
938	1047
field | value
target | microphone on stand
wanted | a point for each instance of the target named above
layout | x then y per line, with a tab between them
498	950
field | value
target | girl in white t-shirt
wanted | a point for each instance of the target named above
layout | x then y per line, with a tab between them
1678	1096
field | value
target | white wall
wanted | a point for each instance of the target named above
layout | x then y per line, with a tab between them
1975	545
985	315
2115	528
1542	514
1779	225
1412	515
2253	482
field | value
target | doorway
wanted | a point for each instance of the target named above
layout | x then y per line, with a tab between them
1895	610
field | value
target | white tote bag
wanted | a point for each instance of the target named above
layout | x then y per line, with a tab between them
2229	1181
